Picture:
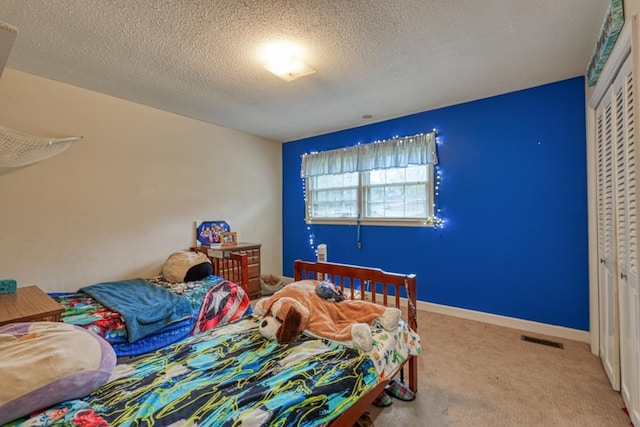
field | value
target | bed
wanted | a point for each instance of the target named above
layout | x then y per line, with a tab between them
232	375
214	300
380	287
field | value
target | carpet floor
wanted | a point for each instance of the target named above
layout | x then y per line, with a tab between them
474	374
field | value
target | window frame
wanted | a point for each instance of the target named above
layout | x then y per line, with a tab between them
427	221
394	153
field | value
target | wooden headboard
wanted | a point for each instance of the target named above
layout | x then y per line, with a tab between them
388	286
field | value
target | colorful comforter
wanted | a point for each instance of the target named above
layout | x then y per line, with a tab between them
144	307
214	301
392	348
226	376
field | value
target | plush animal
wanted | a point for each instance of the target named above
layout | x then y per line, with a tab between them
186	266
329	291
297	307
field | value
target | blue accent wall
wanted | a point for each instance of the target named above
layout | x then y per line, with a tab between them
513	196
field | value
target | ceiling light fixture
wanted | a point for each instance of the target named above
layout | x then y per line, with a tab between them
283	61
289	68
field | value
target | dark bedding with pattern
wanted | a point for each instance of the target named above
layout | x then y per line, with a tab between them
214	301
227	376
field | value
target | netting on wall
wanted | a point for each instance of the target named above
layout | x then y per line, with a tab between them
19	149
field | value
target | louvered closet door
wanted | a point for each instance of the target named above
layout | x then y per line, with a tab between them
627	239
608	301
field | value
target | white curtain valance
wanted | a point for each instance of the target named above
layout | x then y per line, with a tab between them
391	153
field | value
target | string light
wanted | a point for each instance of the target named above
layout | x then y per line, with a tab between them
437	220
309	230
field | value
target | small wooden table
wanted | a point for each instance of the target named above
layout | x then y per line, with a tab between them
29	304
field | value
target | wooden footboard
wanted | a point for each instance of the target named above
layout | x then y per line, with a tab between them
375	285
232	266
372	284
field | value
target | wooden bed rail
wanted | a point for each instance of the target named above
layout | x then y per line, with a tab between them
373	283
232	266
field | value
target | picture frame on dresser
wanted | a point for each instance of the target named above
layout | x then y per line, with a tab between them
208	232
228	238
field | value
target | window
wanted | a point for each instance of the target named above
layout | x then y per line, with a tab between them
333	196
384	183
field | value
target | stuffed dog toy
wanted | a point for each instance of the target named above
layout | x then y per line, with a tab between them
297	308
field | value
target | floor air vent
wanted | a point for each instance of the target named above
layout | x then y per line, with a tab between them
541	341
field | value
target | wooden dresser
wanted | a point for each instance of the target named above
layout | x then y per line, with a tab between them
253	256
29	304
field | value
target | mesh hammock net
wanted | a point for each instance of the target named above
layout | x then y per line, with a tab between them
19	149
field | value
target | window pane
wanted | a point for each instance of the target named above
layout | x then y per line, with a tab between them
396	193
334	181
376	194
377	177
333	196
416	174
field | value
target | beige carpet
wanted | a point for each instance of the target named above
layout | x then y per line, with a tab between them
476	374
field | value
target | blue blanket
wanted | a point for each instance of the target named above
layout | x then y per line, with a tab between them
144	307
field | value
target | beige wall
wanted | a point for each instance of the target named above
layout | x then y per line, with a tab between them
118	202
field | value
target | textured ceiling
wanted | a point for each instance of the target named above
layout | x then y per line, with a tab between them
387	58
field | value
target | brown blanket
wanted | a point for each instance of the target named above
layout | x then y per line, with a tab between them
329	319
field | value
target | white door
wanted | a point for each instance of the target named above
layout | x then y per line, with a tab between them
617	170
626	223
627	238
608	301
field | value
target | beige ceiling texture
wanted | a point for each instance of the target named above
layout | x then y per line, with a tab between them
386	58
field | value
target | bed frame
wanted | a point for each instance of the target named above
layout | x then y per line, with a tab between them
233	266
375	285
379	287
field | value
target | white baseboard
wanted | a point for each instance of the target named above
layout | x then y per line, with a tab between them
495	319
509	322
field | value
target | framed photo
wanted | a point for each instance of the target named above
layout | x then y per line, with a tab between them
228	239
208	232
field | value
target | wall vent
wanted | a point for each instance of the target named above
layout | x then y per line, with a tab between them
542	341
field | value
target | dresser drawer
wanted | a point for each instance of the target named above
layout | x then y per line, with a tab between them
255	288
253	256
254	271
